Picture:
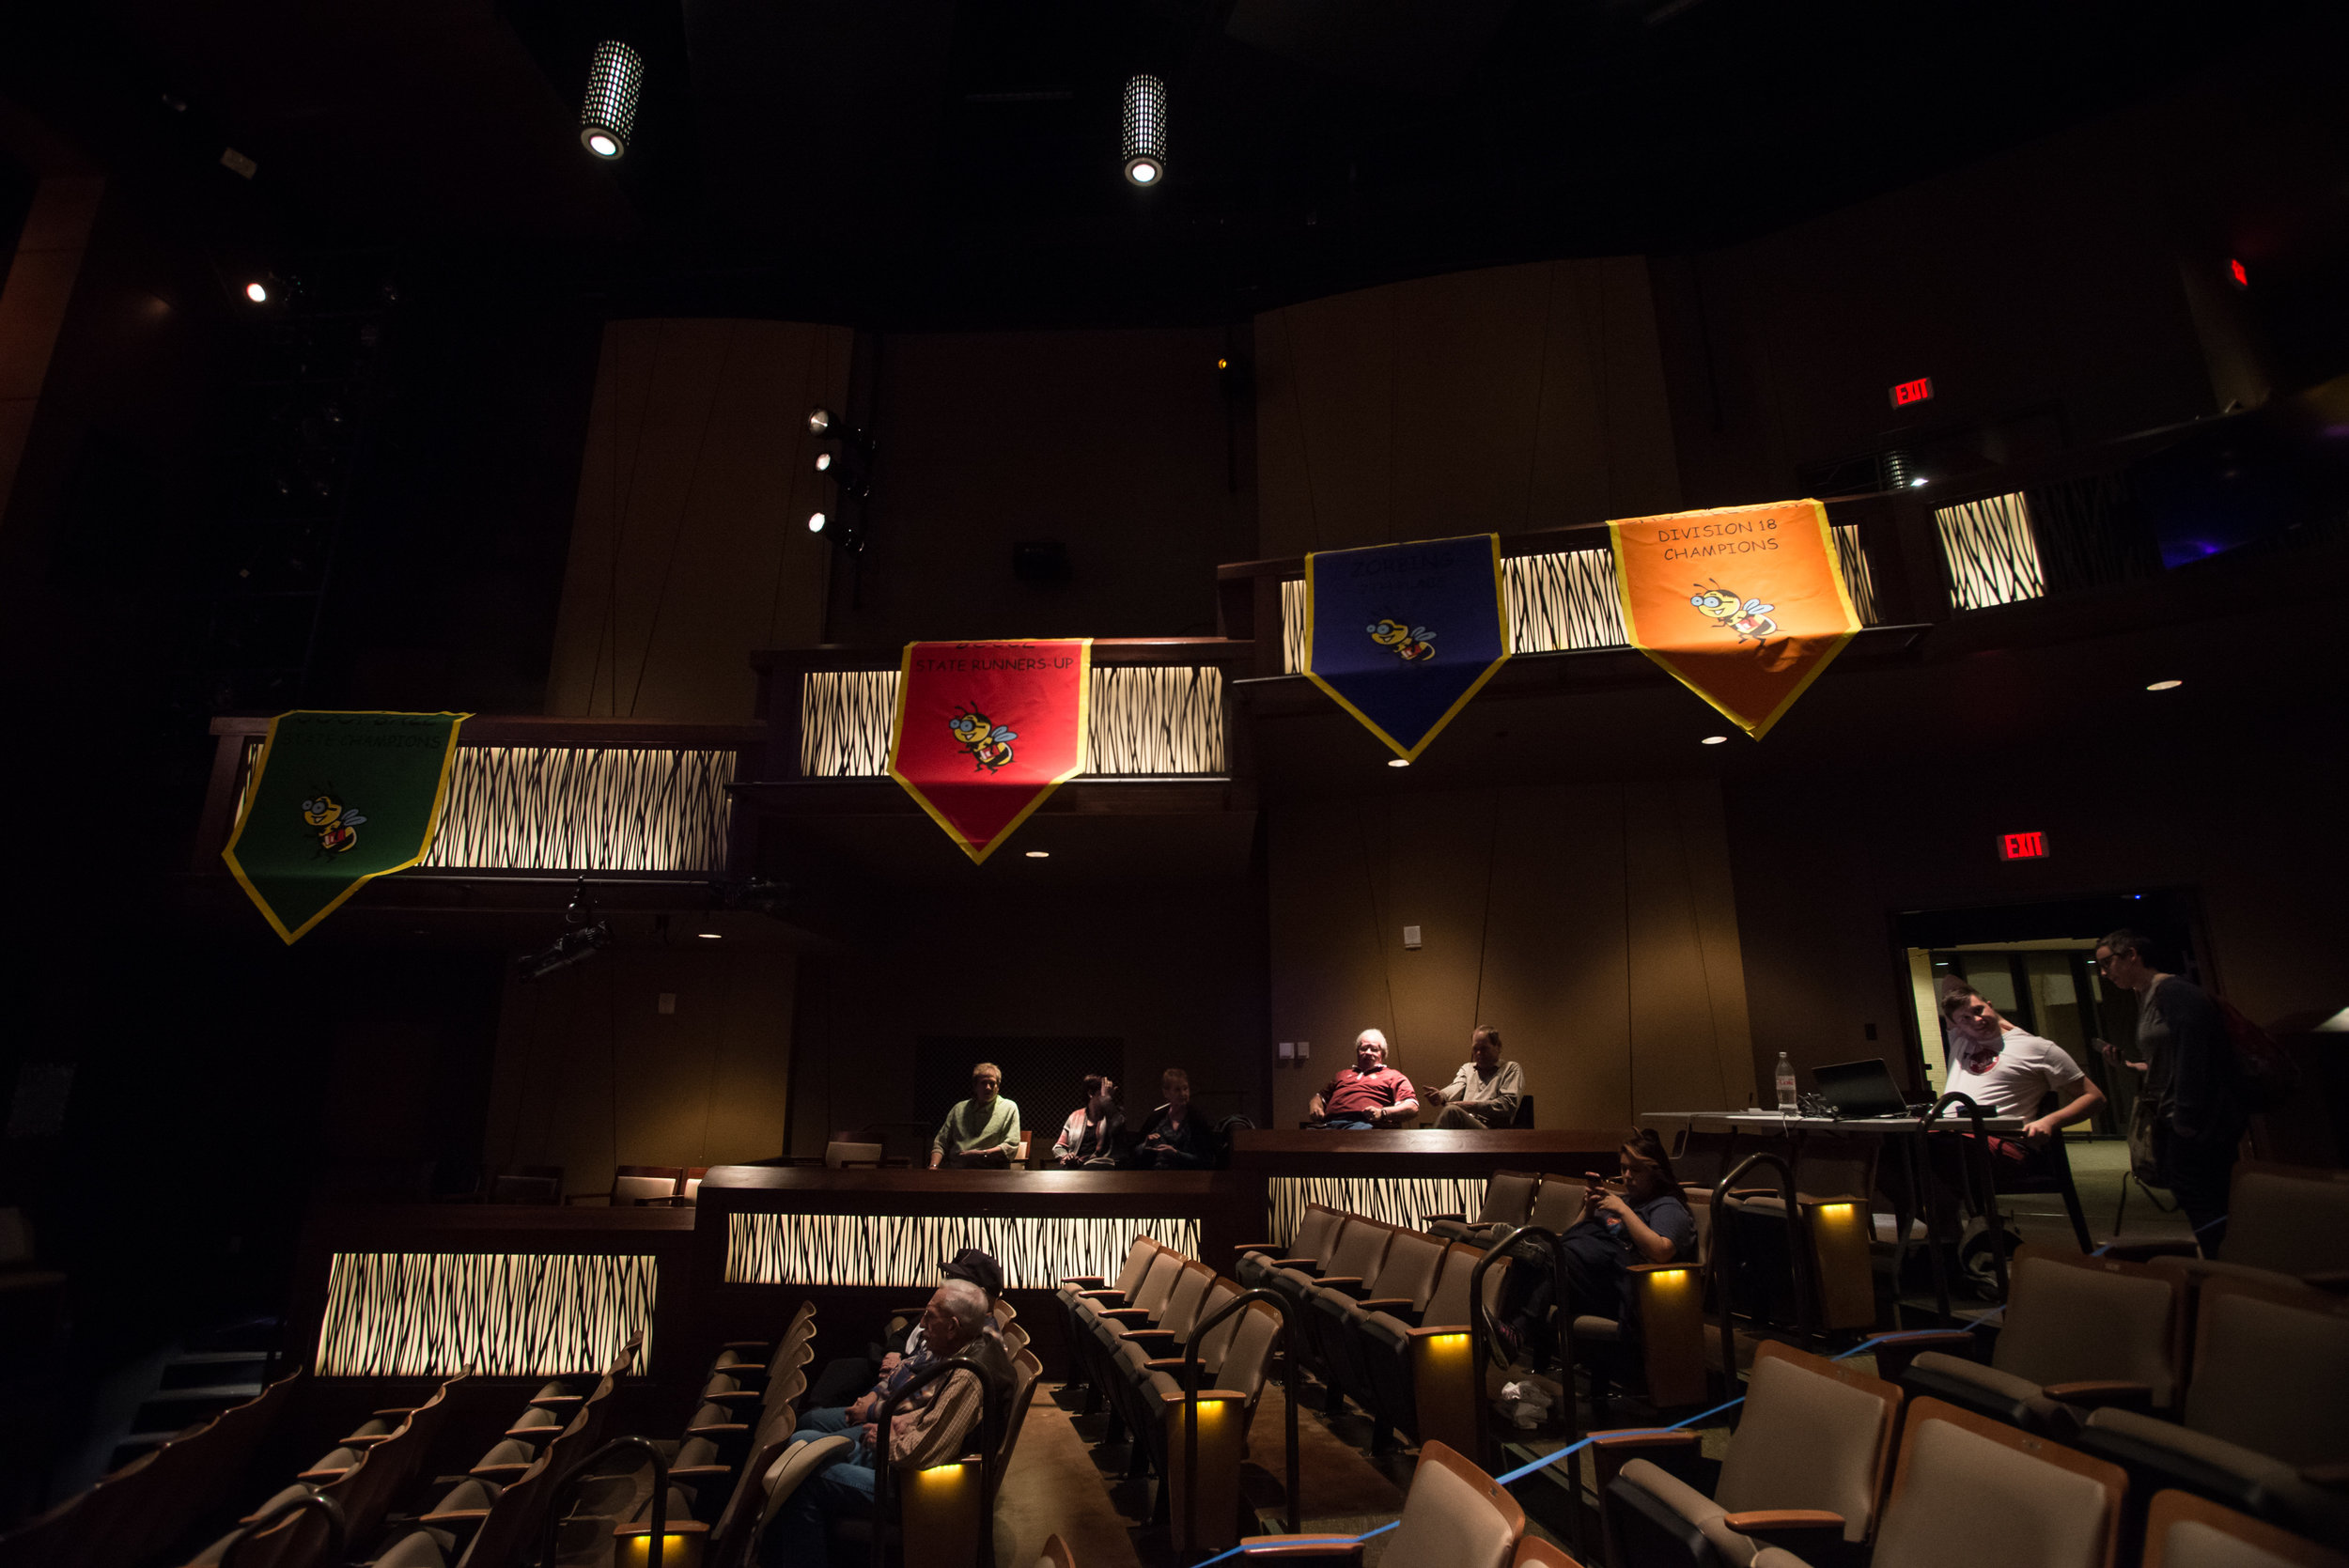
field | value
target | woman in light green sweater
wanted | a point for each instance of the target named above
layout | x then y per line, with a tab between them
983	1130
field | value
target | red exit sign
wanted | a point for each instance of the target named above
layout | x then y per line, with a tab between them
2022	846
1918	390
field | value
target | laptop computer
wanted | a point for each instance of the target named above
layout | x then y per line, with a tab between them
1860	1088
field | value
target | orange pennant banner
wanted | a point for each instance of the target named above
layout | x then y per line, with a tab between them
1744	605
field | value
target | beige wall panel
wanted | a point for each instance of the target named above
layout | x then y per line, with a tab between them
590	1074
690	547
1556	984
1594	926
1501	400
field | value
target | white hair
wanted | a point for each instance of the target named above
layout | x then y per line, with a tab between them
965	1302
1372	1035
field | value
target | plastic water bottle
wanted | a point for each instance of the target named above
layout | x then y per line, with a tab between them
1785	1085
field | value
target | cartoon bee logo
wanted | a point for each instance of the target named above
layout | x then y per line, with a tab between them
1411	643
988	743
1748	618
337	826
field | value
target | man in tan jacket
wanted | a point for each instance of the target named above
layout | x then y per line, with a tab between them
934	1425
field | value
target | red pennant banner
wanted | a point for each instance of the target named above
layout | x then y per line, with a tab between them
987	731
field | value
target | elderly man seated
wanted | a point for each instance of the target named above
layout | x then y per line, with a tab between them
1485	1090
933	1425
981	1132
1369	1094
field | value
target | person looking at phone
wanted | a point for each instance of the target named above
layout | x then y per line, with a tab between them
1640	1218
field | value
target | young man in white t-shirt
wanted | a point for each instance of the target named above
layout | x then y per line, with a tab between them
2009	1073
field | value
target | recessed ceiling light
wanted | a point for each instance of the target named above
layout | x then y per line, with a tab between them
1714	740
710	936
1398	762
1040	854
815	522
1917	484
257	292
2163	685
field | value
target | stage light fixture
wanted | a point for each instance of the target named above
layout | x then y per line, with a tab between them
815	522
1145	130
615	81
256	291
586	936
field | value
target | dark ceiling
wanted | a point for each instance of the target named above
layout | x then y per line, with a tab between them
899	162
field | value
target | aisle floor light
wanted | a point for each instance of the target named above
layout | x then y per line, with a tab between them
1145	130
616	80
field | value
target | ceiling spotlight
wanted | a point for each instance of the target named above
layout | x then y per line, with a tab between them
616	80
823	462
1398	762
710	936
1714	740
1145	130
820	421
1040	854
2163	685
815	522
257	292
1917	484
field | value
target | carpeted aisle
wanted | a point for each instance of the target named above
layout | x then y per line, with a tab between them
1053	1486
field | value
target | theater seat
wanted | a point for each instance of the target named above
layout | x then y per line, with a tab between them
1317	1231
1455	1515
1508	1202
1406	1280
1970	1491
1407	1354
2264	1408
1815	1440
2187	1532
2080	1332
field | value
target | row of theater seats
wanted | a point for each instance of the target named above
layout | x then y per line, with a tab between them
1132	1340
1382	1318
1833	1464
772	1466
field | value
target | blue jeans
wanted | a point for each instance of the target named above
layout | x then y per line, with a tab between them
824	1422
799	1535
1345	1124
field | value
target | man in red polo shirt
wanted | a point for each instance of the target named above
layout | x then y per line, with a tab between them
1369	1094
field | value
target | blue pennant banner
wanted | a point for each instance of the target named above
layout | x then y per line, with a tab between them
1402	636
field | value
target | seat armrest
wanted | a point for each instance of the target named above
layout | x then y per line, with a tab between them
321	1478
747	1345
1255	1246
1311	1265
1125	1315
2141	1251
1398	1305
1427	1219
500	1473
2099	1392
1897	1351
2333	1279
1103	1295
700	1473
1346	1282
1611	1451
1139	1334
396	1410
1300	1548
551	1402
456	1516
718	1429
1166	1364
1086	1282
736	1396
2333	1477
1812	1534
1422	1330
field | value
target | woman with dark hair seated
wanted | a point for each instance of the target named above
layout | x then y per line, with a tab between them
1173	1136
1089	1137
1645	1221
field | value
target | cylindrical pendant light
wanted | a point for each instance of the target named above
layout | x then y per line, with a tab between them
1145	130
616	80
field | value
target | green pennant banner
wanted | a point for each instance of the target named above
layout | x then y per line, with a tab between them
337	799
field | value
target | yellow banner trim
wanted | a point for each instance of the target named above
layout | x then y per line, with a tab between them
1508	648
1084	740
1756	728
252	793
